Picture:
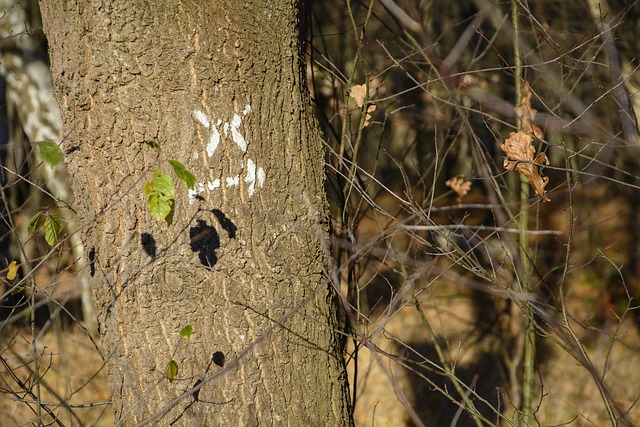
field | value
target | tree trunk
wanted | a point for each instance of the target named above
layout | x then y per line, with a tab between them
220	87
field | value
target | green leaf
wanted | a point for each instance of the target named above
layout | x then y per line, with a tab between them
161	194
153	144
34	223
169	218
50	152
171	370
51	229
183	174
159	207
186	332
164	186
150	188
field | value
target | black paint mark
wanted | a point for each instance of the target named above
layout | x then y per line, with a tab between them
148	244
92	262
226	223
218	358
205	240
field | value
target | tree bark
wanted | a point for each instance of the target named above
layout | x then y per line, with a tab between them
220	87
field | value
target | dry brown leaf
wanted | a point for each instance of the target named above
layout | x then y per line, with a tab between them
370	110
526	113
358	93
459	185
520	152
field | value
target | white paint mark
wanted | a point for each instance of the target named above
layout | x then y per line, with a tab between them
201	118
212	185
193	194
195	155
253	176
214	141
236	135
250	178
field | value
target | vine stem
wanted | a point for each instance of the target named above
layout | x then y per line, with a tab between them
526	417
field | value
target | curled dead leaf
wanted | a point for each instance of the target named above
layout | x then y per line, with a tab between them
526	113
520	151
459	185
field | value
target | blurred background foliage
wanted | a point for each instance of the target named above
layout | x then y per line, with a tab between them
439	273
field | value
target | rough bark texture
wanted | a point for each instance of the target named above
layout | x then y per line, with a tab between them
243	263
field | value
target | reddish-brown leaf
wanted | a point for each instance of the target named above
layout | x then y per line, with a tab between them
520	151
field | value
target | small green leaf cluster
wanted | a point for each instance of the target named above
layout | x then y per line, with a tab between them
161	196
186	332
183	174
160	190
47	221
172	368
50	153
171	371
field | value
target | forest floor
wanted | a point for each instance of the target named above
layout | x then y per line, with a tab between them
71	369
566	394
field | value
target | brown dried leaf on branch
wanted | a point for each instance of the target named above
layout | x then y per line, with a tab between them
358	93
460	186
520	151
526	113
370	110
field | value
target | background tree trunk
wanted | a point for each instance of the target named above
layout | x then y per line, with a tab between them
243	261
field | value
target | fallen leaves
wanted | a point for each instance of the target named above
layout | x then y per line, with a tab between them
520	151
